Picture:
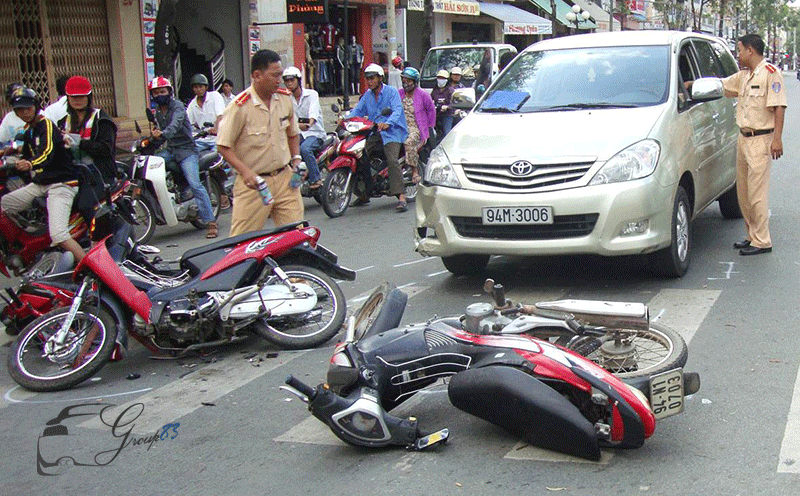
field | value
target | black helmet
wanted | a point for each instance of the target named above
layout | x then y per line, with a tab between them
10	89
199	79
23	97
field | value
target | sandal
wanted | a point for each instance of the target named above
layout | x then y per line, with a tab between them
415	177
213	230
401	206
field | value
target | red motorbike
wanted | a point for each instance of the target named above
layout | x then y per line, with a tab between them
325	156
503	367
216	294
348	171
25	246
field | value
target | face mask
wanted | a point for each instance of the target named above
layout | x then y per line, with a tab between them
441	82
162	99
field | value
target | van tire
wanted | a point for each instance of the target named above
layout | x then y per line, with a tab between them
673	261
729	204
461	265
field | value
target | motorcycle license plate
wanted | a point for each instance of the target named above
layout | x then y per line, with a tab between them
666	393
517	215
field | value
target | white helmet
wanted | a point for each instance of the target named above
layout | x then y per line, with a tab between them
373	69
292	72
456	70
443	74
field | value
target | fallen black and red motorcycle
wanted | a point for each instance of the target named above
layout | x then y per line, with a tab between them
571	376
275	283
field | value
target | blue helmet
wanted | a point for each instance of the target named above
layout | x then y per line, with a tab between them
410	73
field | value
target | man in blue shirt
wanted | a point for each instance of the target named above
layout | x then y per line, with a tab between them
392	131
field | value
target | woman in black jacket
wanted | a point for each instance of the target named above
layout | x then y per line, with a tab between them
91	135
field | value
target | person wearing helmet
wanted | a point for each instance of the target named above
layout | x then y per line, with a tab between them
91	135
309	117
441	95
11	125
52	173
259	136
420	118
205	108
392	128
173	124
455	78
394	73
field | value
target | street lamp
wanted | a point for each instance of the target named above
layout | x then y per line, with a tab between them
578	15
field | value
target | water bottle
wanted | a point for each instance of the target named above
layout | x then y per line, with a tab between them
298	175
266	195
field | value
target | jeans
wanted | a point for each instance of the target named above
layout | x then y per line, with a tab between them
308	150
190	167
447	125
202	147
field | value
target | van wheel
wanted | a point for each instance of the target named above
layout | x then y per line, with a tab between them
673	261
461	265
729	204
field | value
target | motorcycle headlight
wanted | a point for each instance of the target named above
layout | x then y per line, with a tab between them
635	162
354	127
439	171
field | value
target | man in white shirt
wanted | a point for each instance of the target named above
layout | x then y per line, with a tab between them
11	125
309	118
58	110
206	107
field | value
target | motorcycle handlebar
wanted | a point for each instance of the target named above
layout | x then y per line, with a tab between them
304	388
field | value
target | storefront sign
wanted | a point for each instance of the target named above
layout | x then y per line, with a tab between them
380	31
523	28
636	7
459	7
305	11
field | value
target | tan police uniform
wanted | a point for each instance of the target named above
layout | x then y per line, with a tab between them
258	134
758	93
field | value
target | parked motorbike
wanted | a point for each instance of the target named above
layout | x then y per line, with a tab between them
25	247
345	175
500	371
277	283
325	155
156	197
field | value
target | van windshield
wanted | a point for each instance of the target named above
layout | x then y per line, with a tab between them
598	77
467	58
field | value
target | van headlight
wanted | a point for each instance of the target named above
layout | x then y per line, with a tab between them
635	162
439	171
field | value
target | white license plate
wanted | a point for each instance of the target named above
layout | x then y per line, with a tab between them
666	393
517	215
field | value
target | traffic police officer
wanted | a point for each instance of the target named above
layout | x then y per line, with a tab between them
760	111
259	136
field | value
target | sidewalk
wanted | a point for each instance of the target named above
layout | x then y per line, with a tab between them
329	117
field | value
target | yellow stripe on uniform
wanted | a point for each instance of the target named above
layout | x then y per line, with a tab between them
49	148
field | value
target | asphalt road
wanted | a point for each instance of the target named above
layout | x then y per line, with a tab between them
239	434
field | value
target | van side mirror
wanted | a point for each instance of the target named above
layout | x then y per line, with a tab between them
707	89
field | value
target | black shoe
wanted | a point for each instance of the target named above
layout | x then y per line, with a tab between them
360	202
186	195
741	244
754	250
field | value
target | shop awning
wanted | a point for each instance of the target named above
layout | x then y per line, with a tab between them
561	14
516	21
460	7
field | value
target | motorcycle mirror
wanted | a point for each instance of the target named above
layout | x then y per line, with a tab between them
150	117
138	129
386	112
335	108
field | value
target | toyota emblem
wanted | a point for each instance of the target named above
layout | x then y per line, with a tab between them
522	168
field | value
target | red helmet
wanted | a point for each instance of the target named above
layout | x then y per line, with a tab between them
78	86
397	61
159	82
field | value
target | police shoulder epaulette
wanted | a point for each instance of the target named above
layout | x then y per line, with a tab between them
284	91
771	68
242	98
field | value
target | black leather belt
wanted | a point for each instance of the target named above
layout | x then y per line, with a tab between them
759	132
273	173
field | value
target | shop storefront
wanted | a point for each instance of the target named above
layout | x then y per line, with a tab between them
453	21
520	28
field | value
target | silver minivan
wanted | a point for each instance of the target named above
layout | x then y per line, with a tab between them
586	144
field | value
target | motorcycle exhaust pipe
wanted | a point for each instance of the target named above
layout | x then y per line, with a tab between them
618	315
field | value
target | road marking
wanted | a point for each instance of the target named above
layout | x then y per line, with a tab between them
728	272
29	394
182	397
524	451
438	273
789	459
425	259
682	310
365	268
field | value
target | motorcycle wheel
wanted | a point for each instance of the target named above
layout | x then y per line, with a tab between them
214	193
636	353
335	194
317	194
33	369
144	215
312	328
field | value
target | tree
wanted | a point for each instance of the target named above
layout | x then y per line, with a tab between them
672	13
427	29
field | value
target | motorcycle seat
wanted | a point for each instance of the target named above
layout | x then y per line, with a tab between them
209	159
327	141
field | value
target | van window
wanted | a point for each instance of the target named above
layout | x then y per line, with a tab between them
729	65
706	60
617	76
467	58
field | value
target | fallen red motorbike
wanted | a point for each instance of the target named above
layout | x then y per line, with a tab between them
346	173
545	393
25	246
277	283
